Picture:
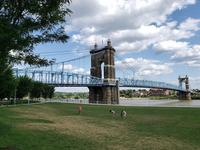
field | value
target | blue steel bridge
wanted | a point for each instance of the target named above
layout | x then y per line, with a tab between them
69	79
102	83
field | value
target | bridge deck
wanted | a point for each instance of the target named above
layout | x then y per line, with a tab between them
66	79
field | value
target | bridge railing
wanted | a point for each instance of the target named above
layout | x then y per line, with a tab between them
60	78
147	84
73	79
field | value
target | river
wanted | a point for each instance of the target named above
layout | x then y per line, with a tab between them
141	102
159	103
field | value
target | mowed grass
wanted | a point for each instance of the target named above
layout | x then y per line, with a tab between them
59	127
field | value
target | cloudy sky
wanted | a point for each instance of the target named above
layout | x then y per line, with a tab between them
154	39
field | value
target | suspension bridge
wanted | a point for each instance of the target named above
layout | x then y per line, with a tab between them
102	81
69	79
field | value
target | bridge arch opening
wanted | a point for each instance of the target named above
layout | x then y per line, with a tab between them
102	70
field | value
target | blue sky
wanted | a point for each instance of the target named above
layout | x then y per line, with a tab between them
158	39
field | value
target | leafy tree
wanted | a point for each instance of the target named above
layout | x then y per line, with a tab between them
36	91
24	86
51	91
129	93
48	91
45	91
41	90
25	23
8	84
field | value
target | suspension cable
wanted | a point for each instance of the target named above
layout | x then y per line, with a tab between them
70	60
126	63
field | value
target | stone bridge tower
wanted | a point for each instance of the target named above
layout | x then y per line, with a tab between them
103	66
184	95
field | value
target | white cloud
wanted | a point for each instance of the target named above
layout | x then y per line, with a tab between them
191	56
127	47
74	69
171	46
14	53
182	51
79	70
123	20
109	15
190	24
194	82
135	26
68	67
145	67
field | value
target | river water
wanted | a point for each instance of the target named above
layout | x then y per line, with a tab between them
141	102
159	103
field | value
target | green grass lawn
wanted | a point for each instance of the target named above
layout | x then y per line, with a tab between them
59	127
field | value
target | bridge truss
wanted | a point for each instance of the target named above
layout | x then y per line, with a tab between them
67	79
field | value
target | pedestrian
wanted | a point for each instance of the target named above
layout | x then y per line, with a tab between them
123	114
113	112
80	109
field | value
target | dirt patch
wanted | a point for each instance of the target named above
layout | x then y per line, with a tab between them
72	125
80	126
75	125
35	112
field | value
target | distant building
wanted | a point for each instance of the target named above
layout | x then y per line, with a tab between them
160	92
143	92
146	93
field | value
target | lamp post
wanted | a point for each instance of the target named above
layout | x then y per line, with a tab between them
15	97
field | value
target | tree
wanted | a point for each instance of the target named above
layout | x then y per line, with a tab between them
36	91
8	84
24	86
48	91
25	23
51	91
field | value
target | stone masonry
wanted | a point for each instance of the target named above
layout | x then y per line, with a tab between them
107	93
184	95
